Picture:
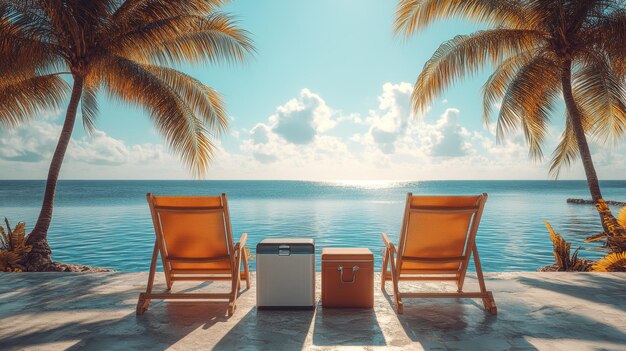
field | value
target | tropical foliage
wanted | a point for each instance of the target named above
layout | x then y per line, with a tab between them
613	262
541	50
13	247
562	257
123	49
615	243
615	234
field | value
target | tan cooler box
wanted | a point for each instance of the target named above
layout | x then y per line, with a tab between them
347	277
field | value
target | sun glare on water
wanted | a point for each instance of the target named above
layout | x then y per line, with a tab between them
366	184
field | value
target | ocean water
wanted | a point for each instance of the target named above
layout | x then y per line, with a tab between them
108	224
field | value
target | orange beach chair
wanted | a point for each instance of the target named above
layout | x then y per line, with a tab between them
194	239
437	238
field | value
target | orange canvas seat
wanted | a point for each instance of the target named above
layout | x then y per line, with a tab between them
436	241
195	242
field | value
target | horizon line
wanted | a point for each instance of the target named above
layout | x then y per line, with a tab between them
320	180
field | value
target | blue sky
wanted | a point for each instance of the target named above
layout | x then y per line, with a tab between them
325	97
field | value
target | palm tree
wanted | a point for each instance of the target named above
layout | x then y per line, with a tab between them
540	49
121	48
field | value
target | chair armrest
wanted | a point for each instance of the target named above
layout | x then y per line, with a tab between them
388	244
242	242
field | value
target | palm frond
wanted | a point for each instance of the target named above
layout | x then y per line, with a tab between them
133	11
495	87
561	252
566	152
203	100
175	120
89	107
608	35
134	14
414	15
24	50
613	262
602	95
187	38
466	54
5	242
528	102
21	100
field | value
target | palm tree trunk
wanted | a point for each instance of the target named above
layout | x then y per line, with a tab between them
39	257
575	117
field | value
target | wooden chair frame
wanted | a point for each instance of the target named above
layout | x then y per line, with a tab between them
394	258
237	255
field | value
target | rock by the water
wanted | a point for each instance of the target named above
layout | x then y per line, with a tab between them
68	267
590	202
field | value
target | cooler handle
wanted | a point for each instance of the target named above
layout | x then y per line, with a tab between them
355	269
284	250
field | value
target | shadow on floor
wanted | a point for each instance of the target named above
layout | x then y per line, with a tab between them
145	332
456	323
103	320
347	327
596	288
45	288
268	330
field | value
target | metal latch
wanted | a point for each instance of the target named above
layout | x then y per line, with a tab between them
284	250
354	270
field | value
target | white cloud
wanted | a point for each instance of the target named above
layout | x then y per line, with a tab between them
294	134
32	143
451	138
395	144
354	118
307	139
299	120
25	153
394	129
99	149
391	120
260	133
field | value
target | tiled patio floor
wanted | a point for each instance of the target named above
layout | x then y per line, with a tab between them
537	311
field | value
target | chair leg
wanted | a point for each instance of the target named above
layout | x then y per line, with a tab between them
232	302
487	296
396	290
246	269
238	259
490	303
398	299
232	306
383	274
142	304
144	300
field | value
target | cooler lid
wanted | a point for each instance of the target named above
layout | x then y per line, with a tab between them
286	246
347	254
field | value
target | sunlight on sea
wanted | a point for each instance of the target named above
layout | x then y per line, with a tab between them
366	184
